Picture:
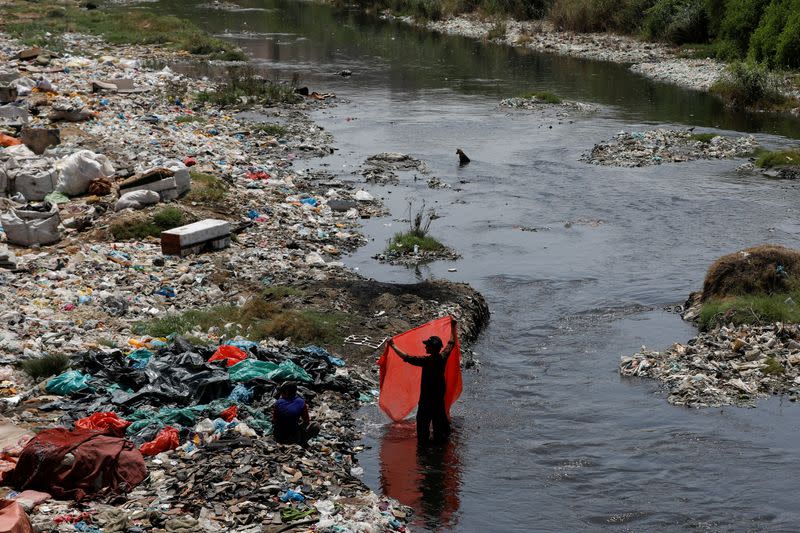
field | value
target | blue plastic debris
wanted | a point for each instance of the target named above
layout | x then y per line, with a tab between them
309	201
322	353
241	394
169	292
293	496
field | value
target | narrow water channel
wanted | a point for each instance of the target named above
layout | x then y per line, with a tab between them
548	436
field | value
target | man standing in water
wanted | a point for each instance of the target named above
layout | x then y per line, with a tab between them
431	409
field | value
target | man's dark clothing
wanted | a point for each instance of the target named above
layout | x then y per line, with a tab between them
431	407
289	425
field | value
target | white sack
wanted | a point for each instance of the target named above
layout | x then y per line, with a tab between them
137	199
26	228
78	169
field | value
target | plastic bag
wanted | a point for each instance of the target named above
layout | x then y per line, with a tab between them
7	140
167	439
137	199
108	423
250	369
230	354
78	169
140	358
289	371
230	413
68	382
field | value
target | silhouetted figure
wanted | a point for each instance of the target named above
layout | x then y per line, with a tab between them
290	421
431	409
462	157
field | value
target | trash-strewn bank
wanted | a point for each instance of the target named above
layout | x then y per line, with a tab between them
108	151
750	348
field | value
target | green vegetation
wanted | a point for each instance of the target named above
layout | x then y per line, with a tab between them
164	219
703	137
774	159
749	85
31	22
544	96
243	85
206	189
417	235
45	366
257	319
773	367
750	309
766	32
273	130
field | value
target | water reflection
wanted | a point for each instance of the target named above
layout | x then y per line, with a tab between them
426	478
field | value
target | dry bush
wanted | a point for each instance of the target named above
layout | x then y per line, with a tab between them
765	269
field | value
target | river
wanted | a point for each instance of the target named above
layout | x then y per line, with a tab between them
548	436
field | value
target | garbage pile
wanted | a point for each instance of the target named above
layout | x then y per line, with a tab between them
94	140
382	168
654	147
564	108
183	432
729	366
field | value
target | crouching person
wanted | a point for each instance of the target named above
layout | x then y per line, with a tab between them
290	421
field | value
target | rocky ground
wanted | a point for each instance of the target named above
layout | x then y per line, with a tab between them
280	283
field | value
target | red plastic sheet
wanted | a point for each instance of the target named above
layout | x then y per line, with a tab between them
167	439
108	423
99	462
400	380
13	518
231	354
230	413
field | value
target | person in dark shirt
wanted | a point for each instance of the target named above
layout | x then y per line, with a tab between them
431	409
290	421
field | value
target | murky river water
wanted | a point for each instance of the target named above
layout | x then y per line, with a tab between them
549	437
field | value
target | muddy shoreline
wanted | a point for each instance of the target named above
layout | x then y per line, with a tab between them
95	291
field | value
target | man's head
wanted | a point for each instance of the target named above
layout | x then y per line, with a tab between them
433	345
288	391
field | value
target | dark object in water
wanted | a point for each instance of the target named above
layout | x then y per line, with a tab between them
462	157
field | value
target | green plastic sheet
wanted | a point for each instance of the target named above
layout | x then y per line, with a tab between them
68	382
253	368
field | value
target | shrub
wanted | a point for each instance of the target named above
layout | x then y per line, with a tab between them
748	85
781	157
767	269
582	15
742	17
45	366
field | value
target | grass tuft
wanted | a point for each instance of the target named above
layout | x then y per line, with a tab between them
773	367
257	319
244	86
166	218
45	366
273	130
778	158
750	309
206	189
497	31
704	138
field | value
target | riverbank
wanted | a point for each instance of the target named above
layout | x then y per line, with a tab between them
654	60
105	292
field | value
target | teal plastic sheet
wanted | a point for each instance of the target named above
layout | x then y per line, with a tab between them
253	368
68	382
140	358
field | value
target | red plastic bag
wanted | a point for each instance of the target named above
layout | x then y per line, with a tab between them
231	354
399	381
167	439
230	413
108	423
7	140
